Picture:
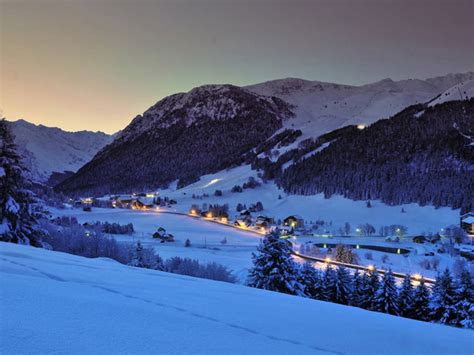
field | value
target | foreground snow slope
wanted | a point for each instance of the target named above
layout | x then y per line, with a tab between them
58	303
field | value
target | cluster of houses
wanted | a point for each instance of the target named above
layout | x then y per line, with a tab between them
261	223
140	201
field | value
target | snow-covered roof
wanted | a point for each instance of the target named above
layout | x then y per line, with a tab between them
146	200
469	219
125	197
296	216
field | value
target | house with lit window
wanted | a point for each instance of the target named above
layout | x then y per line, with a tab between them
294	221
143	203
263	221
467	223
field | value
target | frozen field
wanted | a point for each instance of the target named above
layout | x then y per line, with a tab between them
205	237
58	303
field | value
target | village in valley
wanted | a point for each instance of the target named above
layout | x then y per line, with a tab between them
361	247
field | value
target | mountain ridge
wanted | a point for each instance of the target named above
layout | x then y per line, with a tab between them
47	150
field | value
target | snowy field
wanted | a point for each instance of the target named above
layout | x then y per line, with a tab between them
52	302
206	242
205	237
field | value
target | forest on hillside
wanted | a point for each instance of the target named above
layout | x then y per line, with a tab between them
423	154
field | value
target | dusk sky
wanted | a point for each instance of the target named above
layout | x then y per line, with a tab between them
95	64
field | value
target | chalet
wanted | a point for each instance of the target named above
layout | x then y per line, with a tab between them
245	213
420	239
467	223
242	222
123	201
293	221
206	214
152	194
77	203
143	203
263	221
223	217
194	211
163	236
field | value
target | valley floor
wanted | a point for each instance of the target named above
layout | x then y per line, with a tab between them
206	242
52	302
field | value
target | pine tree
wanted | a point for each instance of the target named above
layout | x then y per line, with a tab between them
356	287
369	287
421	301
443	299
17	223
329	284
145	258
273	267
464	306
310	278
405	298
386	297
137	256
342	286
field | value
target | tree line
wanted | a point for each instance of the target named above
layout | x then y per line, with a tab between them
450	301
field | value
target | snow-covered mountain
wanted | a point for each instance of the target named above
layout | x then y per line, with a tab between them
214	127
47	149
181	138
53	302
322	107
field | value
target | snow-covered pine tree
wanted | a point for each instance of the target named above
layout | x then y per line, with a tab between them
342	286
421	301
137	256
145	258
405	298
356	288
464	306
369	287
310	278
329	284
273	267
443	299
17	223
386	298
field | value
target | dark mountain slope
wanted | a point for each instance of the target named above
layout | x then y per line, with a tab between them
181	138
417	156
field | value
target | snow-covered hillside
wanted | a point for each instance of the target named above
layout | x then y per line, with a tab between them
462	91
337	210
322	107
48	149
52	302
